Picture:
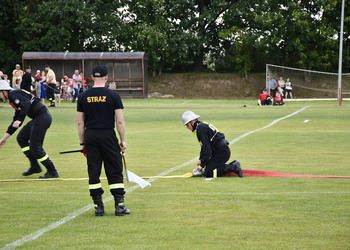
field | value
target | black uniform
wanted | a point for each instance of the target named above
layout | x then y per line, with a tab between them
101	143
31	136
26	81
215	151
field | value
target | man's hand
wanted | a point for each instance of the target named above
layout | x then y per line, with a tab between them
123	147
4	139
16	124
2	142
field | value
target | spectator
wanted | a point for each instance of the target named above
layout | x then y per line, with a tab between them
77	80
278	100
17	83
51	85
289	89
265	98
281	85
273	86
68	88
2	75
26	82
37	87
6	78
84	82
17	72
58	95
42	86
4	89
37	75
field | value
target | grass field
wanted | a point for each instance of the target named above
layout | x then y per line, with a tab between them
191	213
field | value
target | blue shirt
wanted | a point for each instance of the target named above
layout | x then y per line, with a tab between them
273	83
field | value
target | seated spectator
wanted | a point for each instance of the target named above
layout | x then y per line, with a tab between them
68	87
289	89
264	98
6	78
278	100
281	83
4	89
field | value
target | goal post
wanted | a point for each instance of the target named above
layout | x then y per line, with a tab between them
309	84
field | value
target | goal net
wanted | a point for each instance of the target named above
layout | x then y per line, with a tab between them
309	84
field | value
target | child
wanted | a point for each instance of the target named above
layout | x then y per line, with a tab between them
278	100
58	94
38	87
289	89
264	98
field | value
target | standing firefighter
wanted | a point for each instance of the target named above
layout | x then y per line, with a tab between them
215	151
98	107
32	135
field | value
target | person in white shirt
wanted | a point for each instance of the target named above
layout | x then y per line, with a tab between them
77	80
289	89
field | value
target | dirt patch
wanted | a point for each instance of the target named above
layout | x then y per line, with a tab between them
207	85
231	86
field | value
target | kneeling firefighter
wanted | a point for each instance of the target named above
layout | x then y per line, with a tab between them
215	151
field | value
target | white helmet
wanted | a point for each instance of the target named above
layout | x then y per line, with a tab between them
189	116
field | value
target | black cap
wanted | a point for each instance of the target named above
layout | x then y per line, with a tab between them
46	66
28	67
99	71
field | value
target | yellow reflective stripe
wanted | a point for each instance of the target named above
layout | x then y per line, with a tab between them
43	158
95	186
25	149
215	173
117	185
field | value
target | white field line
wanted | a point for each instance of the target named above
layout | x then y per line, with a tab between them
267	126
38	233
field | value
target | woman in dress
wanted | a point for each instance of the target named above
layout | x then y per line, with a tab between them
42	86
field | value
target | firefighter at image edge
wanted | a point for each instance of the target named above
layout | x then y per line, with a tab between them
32	135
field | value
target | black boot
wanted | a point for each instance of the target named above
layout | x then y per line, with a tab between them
120	209
51	170
235	167
99	207
34	165
31	171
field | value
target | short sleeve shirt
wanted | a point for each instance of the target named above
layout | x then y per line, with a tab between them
76	77
99	105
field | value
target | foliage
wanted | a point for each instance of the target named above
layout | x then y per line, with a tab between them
180	35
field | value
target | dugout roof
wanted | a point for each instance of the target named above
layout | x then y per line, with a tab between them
127	71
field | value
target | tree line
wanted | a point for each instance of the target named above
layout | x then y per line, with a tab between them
181	35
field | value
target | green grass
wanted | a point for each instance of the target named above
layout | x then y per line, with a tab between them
225	213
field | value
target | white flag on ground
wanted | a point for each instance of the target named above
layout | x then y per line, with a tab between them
137	179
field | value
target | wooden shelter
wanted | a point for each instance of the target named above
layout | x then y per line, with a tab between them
127	71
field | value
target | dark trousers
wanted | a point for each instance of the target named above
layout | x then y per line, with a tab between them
31	138
102	146
50	92
76	94
217	161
